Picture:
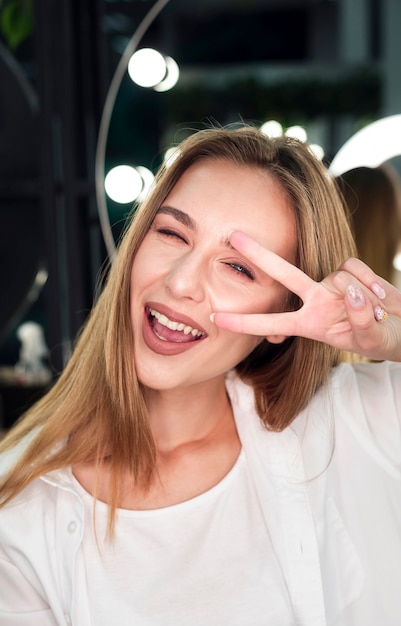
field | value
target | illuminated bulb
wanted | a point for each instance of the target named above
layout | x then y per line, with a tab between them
272	128
123	184
172	76
41	277
147	181
171	155
397	262
297	132
317	151
147	67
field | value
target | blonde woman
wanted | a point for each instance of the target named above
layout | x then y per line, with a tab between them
206	457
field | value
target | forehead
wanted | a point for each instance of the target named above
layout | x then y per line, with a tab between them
219	195
228	180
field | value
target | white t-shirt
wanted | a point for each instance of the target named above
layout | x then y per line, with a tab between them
328	489
206	561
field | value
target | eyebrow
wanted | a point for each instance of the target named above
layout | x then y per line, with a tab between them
187	221
180	216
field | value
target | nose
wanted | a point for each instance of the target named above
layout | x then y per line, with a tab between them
186	278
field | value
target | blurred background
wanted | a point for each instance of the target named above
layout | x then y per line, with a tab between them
95	93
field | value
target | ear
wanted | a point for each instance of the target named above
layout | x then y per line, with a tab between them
276	338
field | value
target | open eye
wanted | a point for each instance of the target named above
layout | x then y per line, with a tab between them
241	270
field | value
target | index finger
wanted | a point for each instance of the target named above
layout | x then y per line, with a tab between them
272	264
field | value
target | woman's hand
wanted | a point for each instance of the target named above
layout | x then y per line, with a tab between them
352	309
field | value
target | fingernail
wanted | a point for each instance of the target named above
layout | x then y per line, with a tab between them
212	316
380	314
378	290
355	297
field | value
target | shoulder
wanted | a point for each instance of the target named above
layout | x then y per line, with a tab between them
371	391
360	386
363	381
362	399
11	456
363	404
43	499
44	517
41	531
367	375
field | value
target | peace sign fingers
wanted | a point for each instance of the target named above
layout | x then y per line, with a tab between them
345	310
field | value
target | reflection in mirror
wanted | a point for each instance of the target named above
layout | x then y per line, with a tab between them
368	169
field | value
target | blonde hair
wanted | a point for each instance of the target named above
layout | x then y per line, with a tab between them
96	410
373	198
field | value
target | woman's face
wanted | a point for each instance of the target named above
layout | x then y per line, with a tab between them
185	269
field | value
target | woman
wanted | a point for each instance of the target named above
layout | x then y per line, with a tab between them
373	199
205	458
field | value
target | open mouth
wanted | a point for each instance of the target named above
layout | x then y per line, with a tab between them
170	330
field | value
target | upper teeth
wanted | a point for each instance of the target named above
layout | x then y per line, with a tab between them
180	326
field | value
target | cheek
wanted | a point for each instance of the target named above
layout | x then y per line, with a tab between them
269	298
240	346
142	271
137	286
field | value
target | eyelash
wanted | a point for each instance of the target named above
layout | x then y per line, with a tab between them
170	233
241	270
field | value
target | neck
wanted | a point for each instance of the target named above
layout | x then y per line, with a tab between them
188	414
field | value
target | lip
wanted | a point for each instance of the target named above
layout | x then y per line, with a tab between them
168	348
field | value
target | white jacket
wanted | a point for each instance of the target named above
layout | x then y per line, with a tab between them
330	488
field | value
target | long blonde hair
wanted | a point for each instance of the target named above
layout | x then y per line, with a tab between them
96	410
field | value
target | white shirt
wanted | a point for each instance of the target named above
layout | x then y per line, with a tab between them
329	488
208	560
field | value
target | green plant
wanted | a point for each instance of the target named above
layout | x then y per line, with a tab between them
16	21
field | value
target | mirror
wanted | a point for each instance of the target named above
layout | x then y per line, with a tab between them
253	61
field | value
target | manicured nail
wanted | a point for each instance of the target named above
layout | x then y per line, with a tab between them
378	290
212	316
380	314
355	297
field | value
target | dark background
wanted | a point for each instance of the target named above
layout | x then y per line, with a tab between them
251	59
